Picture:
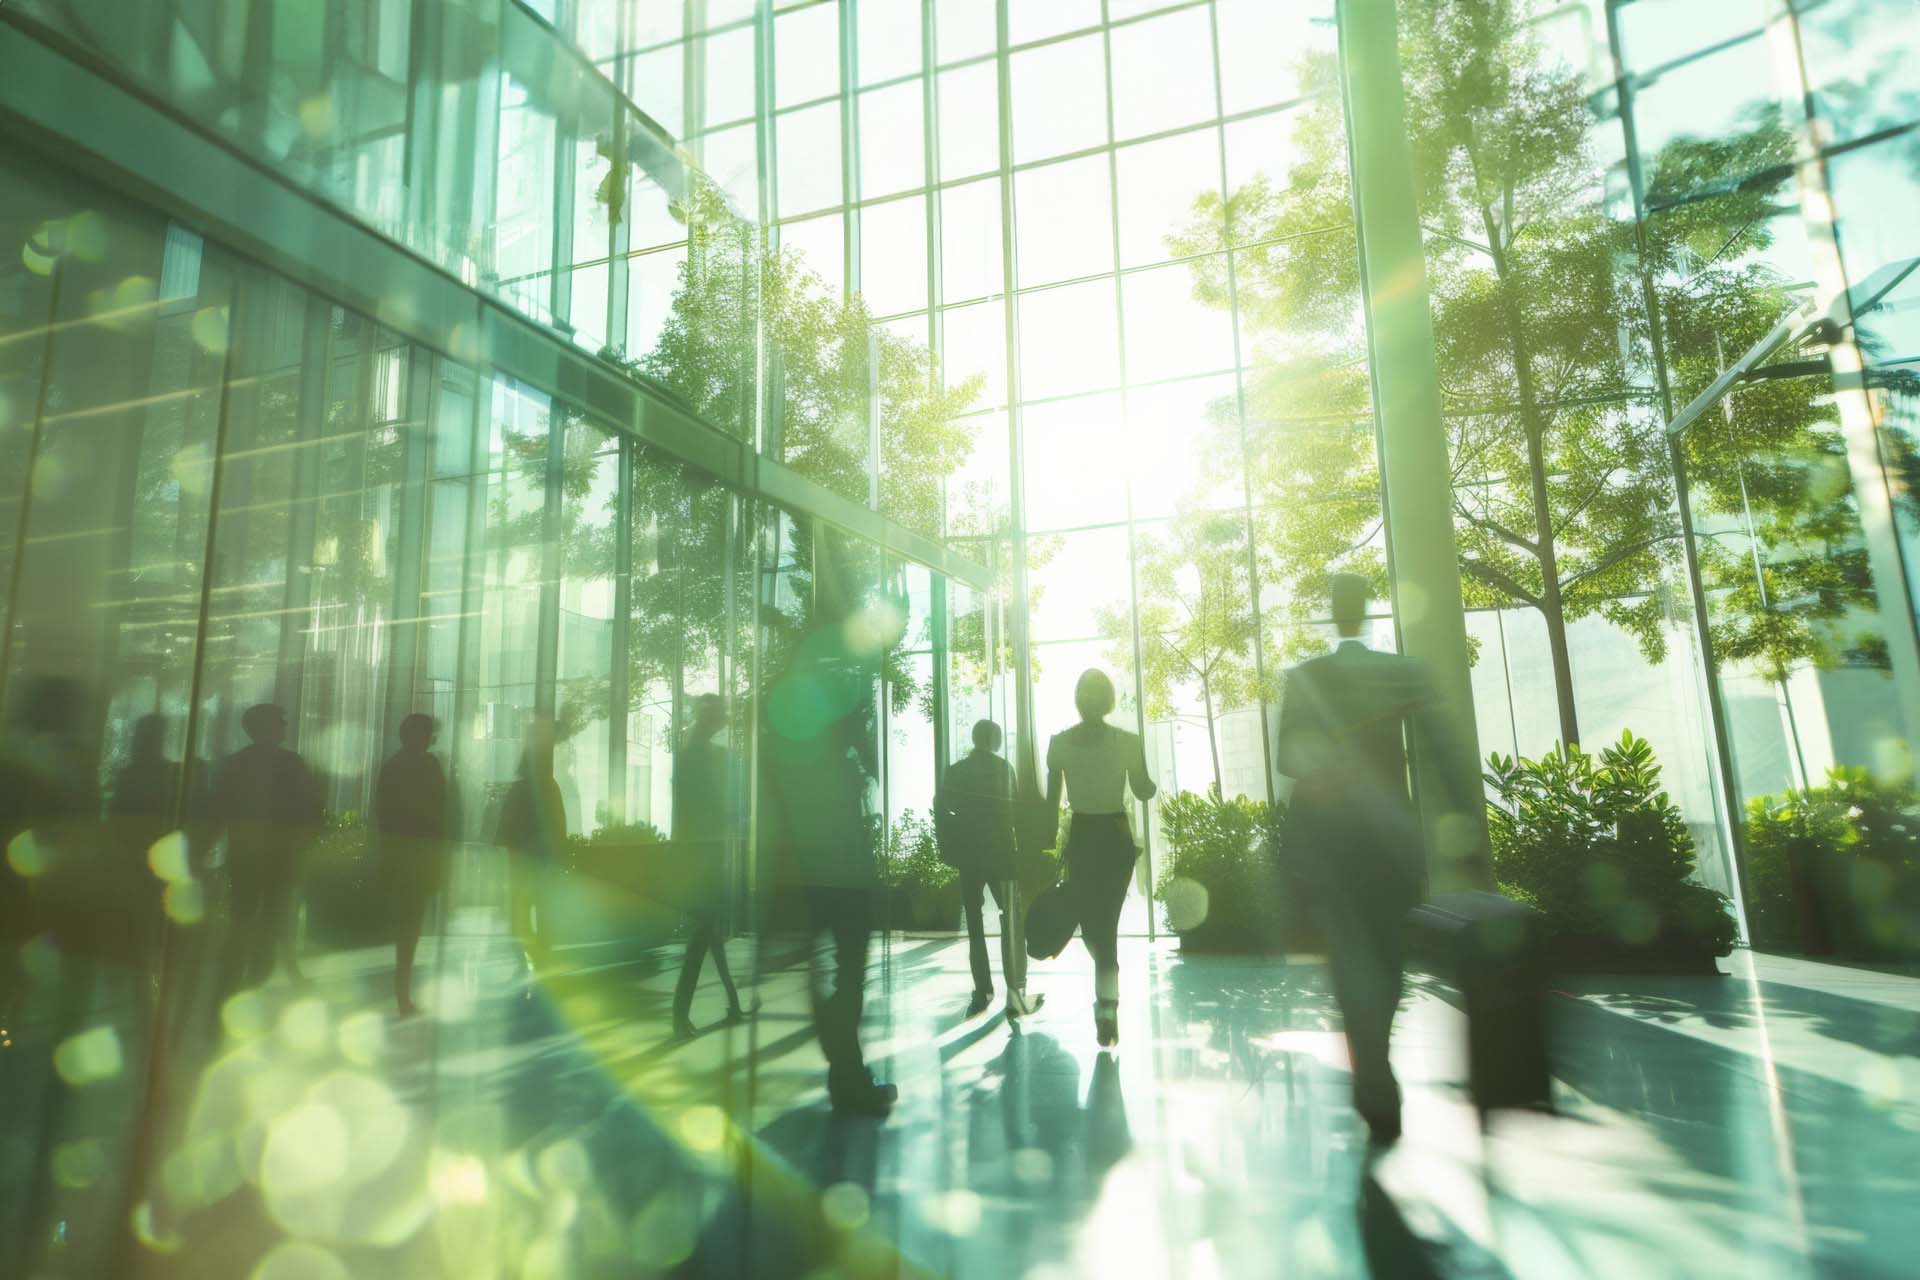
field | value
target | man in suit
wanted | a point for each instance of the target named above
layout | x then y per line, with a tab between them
973	821
1352	826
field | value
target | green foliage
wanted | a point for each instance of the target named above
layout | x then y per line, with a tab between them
339	883
910	856
1224	848
1858	838
579	850
1596	844
1197	621
1552	320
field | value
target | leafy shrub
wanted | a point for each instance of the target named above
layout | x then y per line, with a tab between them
1596	845
910	857
1217	884
578	852
344	899
1858	840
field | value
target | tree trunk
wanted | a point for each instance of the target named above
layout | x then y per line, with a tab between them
1213	745
1552	608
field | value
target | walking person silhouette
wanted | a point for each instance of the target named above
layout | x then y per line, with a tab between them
701	808
1095	763
532	829
266	804
412	810
1352	826
973	821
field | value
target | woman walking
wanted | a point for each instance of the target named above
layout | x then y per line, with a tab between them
1096	762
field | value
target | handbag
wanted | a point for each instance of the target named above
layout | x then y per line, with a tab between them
1052	919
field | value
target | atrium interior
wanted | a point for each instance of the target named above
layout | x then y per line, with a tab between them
522	521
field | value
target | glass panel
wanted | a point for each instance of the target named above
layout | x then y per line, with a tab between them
819	246
1165	67
964	28
893	247
1069	340
1272	53
893	146
974	344
1169	196
1037	19
1059	99
806	46
1065	221
1859	57
1184	446
889	40
1170	332
727	60
809	159
589	510
970	241
1084	438
969	121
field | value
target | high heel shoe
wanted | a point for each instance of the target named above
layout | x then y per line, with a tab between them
1106	1022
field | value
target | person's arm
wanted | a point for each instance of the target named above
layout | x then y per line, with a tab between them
1056	776
1143	785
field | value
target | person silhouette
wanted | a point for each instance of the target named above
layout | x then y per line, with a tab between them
266	804
1353	830
821	760
411	810
973	821
1094	763
140	810
700	814
533	829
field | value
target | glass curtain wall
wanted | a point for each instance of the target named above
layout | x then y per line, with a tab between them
1123	233
222	492
1770	203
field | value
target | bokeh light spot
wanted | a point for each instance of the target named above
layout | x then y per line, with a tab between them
298	1260
845	1206
28	857
244	1015
1187	903
90	1057
304	1026
167	858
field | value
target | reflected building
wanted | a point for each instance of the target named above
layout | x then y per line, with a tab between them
542	366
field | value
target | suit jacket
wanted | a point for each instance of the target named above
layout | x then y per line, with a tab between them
973	815
1345	722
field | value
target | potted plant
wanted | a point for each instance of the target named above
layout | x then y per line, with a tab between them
1596	845
1220	887
1835	869
924	891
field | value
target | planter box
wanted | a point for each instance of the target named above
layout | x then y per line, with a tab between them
1670	953
926	910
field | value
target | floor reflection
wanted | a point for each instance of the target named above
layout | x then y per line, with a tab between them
551	1125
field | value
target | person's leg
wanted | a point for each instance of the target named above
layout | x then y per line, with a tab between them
283	923
717	944
410	911
847	915
971	887
1363	951
1013	948
243	915
697	944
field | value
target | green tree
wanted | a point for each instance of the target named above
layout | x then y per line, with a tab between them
1547	351
1197	621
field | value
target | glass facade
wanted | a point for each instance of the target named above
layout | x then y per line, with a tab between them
635	389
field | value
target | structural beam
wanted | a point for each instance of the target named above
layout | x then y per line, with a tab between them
1414	467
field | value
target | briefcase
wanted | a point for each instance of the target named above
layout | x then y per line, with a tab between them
1493	950
1052	918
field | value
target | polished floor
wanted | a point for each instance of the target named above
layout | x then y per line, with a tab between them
1762	1124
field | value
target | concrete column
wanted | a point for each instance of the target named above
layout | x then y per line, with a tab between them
1414	467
